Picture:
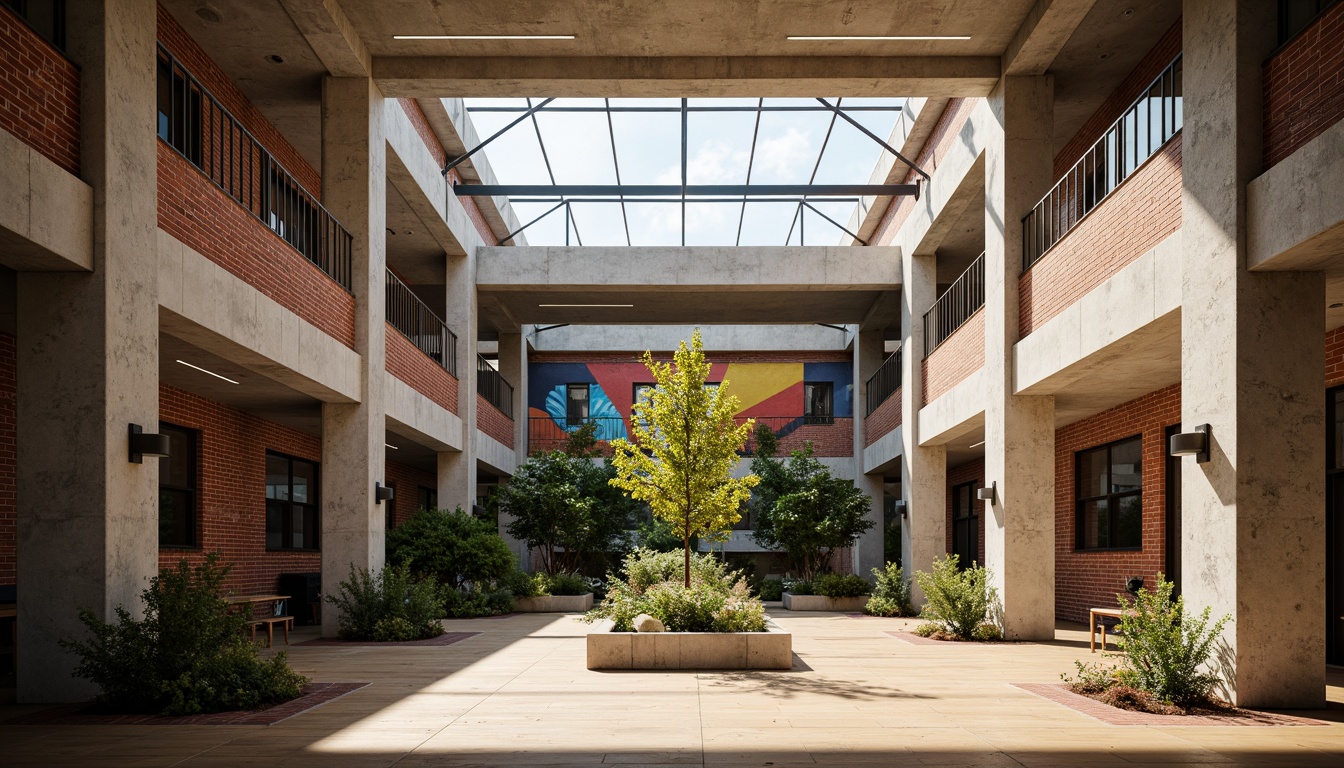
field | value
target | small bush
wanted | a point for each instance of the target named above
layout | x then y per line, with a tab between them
1165	649
452	547
836	585
987	632
568	584
958	600
388	606
190	654
644	568
718	600
473	603
1089	678
928	629
682	608
799	587
520	583
772	589
891	593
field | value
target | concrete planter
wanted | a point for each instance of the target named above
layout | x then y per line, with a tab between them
794	602
554	604
772	649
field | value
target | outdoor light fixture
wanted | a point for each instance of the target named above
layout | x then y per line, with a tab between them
989	493
1133	584
209	373
383	493
1195	443
812	38
482	37
898	506
146	444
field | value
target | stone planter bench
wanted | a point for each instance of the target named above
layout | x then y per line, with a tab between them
772	649
554	604
794	602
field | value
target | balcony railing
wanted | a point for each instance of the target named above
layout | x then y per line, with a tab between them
955	306
830	435
1139	133
193	122
492	386
883	383
408	314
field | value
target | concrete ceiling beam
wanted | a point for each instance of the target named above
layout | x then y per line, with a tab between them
717	76
1048	26
331	36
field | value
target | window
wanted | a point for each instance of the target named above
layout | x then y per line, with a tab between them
1297	15
390	508
291	214
46	17
426	498
291	503
576	404
817	399
179	111
642	391
965	524
1109	484
177	488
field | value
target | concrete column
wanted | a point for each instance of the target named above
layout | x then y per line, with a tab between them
1252	353
354	186
88	360
868	356
923	468
457	471
513	366
1019	431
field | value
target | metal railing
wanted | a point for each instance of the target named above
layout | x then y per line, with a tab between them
962	298
1152	120
408	314
491	385
193	123
831	436
883	383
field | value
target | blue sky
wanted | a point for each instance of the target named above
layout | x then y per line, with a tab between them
579	147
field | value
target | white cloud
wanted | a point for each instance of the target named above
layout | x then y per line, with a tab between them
783	155
714	162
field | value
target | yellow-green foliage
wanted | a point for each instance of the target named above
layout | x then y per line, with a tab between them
685	449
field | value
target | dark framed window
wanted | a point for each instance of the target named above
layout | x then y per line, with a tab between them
291	502
291	214
641	391
576	404
965	524
46	17
179	118
1297	15
818	401
1109	489
177	488
426	498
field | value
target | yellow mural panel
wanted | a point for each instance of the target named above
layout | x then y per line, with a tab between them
753	383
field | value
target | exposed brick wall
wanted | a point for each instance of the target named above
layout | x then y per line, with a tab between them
1304	86
834	439
1136	216
885	418
941	141
1088	579
826	356
406	482
408	363
1334	357
184	49
231	488
972	471
440	155
195	211
39	93
8	457
493	422
1133	86
960	355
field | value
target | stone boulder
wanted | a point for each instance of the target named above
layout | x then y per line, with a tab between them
646	623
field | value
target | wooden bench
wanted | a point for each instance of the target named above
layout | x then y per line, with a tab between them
270	621
1094	615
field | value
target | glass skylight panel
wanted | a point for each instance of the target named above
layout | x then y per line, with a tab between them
577	145
648	144
655	223
767	223
711	223
718	147
600	223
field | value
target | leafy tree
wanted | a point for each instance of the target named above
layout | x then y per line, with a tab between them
806	512
685	449
452	546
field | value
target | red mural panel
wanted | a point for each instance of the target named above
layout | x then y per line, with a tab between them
1304	86
1091	579
959	356
883	420
408	363
39	93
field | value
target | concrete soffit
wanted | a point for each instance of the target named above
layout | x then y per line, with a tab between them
455	131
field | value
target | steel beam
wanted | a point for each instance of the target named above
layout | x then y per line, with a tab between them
676	190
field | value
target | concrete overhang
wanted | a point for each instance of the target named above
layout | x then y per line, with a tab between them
1294	212
46	213
956	414
723	285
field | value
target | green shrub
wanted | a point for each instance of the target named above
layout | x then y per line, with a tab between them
452	547
928	629
987	632
771	589
474	603
386	606
520	583
836	585
798	587
1090	678
1166	650
958	599
568	584
891	593
718	600
190	654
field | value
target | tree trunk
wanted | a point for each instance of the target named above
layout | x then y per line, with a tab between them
687	544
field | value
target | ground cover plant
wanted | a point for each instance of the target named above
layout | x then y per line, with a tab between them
1164	657
190	654
388	605
958	602
717	599
891	593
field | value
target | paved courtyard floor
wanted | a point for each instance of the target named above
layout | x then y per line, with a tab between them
518	695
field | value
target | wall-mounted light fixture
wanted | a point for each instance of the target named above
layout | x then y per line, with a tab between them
144	444
1133	584
989	493
898	506
383	493
1197	443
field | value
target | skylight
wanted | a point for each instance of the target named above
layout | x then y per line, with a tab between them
728	142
